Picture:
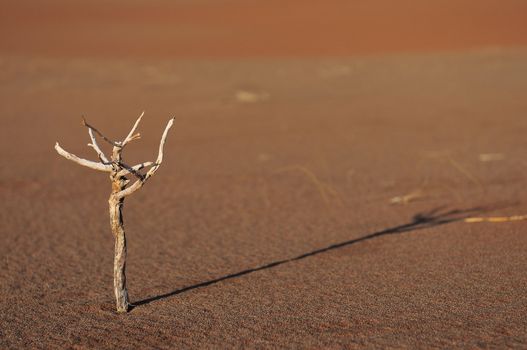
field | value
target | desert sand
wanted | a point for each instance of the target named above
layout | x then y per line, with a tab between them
313	194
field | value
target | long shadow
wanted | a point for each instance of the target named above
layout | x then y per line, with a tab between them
420	221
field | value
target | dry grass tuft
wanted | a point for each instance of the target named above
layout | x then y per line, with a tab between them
326	191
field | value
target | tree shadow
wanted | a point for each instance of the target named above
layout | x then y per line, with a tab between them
435	217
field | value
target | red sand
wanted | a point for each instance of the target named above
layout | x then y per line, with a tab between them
270	224
234	28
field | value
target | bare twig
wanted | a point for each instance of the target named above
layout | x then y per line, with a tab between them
464	171
99	133
325	190
163	140
407	198
81	161
496	219
139	183
95	146
131	169
131	136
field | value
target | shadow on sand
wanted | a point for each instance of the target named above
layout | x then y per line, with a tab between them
420	221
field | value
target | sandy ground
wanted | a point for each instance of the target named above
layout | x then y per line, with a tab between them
276	220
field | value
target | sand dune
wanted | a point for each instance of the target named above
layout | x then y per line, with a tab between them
240	28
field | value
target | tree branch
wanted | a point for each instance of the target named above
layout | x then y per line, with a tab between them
115	144
163	140
139	183
131	136
128	169
81	161
95	146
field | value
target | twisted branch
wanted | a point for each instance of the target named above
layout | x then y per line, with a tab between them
140	182
131	170
114	165
95	146
131	136
118	171
115	144
81	161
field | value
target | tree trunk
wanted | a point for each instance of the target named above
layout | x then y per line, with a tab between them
119	265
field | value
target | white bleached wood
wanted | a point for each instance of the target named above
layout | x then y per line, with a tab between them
140	182
118	171
122	303
163	140
96	147
81	161
131	136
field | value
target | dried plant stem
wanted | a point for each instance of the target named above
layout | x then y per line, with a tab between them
120	190
496	219
119	264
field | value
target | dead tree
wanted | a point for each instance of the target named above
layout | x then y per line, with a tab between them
119	171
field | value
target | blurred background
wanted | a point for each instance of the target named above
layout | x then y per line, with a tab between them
256	28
